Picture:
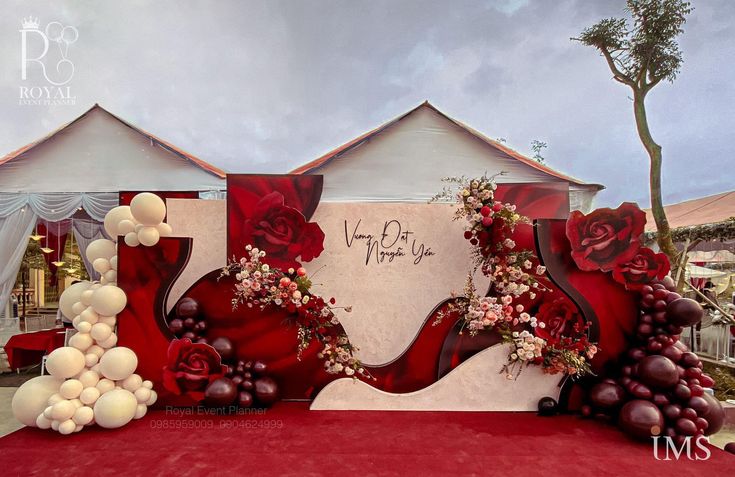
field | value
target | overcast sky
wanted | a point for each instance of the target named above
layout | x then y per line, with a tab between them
268	85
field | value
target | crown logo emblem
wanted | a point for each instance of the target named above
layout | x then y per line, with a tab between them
30	23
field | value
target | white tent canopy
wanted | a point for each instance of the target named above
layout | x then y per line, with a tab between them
84	164
695	271
405	159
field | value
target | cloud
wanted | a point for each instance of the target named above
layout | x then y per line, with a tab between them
265	86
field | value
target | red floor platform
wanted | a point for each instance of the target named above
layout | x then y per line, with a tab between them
291	440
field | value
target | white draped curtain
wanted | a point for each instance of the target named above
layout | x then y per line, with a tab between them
86	232
19	213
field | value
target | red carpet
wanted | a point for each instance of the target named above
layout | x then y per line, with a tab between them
346	443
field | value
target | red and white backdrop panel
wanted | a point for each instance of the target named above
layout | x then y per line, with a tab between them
394	263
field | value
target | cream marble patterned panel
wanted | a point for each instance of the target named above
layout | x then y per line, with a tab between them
206	222
390	300
475	385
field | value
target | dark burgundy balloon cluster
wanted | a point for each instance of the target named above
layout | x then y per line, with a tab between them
660	388
189	321
246	383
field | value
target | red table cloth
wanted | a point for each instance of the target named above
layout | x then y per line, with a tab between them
27	349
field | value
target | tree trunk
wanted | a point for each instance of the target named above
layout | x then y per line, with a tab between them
657	207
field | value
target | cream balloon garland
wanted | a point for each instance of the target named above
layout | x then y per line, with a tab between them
92	380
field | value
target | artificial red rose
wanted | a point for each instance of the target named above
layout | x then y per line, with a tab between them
605	237
283	233
645	266
191	367
559	318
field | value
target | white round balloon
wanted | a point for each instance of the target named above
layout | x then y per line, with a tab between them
142	395
101	265
101	248
118	363
111	276
113	262
42	422
115	408
131	239
65	362
81	341
164	229
71	295
148	208
83	326
86	297
31	398
83	415
105	385
89	378
78	307
89	315
63	410
140	411
100	332
108	300
152	399
114	217
125	227
132	383
71	388
148	236
90	395
109	342
108	320
67	427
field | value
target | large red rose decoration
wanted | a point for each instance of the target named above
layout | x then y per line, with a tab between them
283	233
645	266
559	318
191	367
605	237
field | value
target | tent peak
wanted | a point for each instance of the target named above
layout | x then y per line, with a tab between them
18	153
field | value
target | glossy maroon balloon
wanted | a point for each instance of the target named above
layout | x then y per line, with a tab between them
669	283
730	447
658	372
641	419
245	399
220	392
672	352
266	390
684	312
715	416
260	367
176	326
660	399
706	381
223	345
686	427
672	412
187	308
688	413
606	395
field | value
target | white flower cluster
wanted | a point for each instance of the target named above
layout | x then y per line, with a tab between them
527	346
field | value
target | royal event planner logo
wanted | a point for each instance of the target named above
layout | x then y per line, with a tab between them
46	69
